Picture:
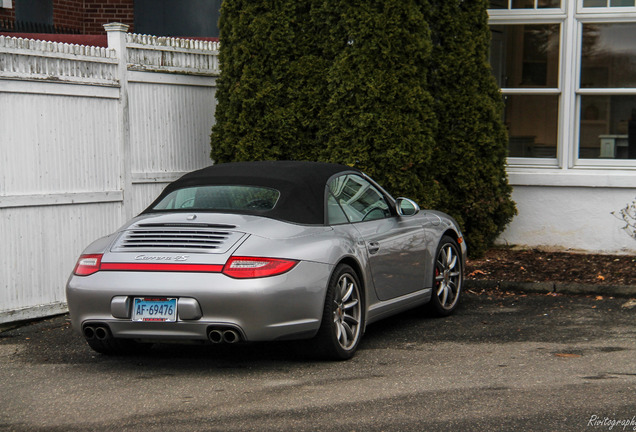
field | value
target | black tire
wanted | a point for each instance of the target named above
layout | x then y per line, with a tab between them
448	278
342	318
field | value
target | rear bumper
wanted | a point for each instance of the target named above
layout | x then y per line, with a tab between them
287	306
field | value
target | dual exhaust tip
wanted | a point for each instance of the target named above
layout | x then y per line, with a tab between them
96	332
229	336
216	336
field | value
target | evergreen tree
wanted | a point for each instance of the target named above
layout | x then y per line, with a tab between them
471	143
379	117
271	82
399	88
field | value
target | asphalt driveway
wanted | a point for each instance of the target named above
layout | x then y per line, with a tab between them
503	362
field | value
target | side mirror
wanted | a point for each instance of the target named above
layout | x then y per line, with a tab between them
406	207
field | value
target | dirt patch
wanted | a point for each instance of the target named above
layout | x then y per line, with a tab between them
532	265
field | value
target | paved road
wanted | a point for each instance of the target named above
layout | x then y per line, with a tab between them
523	363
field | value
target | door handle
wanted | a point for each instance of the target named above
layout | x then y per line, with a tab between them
373	247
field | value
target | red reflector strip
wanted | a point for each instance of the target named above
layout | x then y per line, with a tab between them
206	268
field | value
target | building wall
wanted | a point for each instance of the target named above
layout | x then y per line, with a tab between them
567	71
83	16
69	14
97	13
570	218
7	13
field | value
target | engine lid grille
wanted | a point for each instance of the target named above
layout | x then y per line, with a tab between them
177	238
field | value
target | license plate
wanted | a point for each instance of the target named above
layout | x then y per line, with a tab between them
154	309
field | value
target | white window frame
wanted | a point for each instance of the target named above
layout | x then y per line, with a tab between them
527	11
568	169
6	4
552	16
597	18
618	10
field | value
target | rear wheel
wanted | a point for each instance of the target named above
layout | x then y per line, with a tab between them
448	278
343	316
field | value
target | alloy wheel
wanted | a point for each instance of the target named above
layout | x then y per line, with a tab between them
347	311
448	276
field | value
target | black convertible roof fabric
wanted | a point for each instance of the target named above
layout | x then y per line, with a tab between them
301	185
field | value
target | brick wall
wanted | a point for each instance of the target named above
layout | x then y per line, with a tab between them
7	14
98	13
68	14
84	16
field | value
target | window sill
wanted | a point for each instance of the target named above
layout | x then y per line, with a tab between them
602	177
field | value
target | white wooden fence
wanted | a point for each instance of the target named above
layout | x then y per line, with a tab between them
88	137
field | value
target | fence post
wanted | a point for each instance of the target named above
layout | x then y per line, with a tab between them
117	40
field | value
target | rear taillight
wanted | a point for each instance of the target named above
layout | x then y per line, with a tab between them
256	267
87	265
235	267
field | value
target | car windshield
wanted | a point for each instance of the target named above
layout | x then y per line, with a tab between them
224	197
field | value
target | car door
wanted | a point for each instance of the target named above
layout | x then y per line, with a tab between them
395	246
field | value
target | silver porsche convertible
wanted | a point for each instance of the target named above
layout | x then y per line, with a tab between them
264	251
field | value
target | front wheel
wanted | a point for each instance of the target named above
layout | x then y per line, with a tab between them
448	277
343	316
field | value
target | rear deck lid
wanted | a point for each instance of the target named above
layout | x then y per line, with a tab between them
178	238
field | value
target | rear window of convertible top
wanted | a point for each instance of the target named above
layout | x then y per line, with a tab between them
220	197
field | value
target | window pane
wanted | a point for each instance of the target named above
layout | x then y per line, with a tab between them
335	215
608	55
621	3
215	198
498	4
359	199
608	127
525	55
594	3
532	125
549	3
522	4
526	4
177	18
34	11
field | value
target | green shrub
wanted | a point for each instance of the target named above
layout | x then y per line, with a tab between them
378	116
471	143
398	88
272	74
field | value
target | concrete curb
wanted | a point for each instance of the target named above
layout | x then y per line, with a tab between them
553	287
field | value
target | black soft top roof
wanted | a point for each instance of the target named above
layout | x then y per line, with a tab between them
301	185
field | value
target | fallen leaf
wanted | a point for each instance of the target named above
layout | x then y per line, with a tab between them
599	298
567	355
477	272
630	304
600	277
522	268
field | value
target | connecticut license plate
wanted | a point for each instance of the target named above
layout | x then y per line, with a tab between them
154	309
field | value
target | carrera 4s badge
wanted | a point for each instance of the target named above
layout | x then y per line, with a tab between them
162	258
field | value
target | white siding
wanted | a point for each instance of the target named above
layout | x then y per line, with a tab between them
88	137
170	125
39	248
58	144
